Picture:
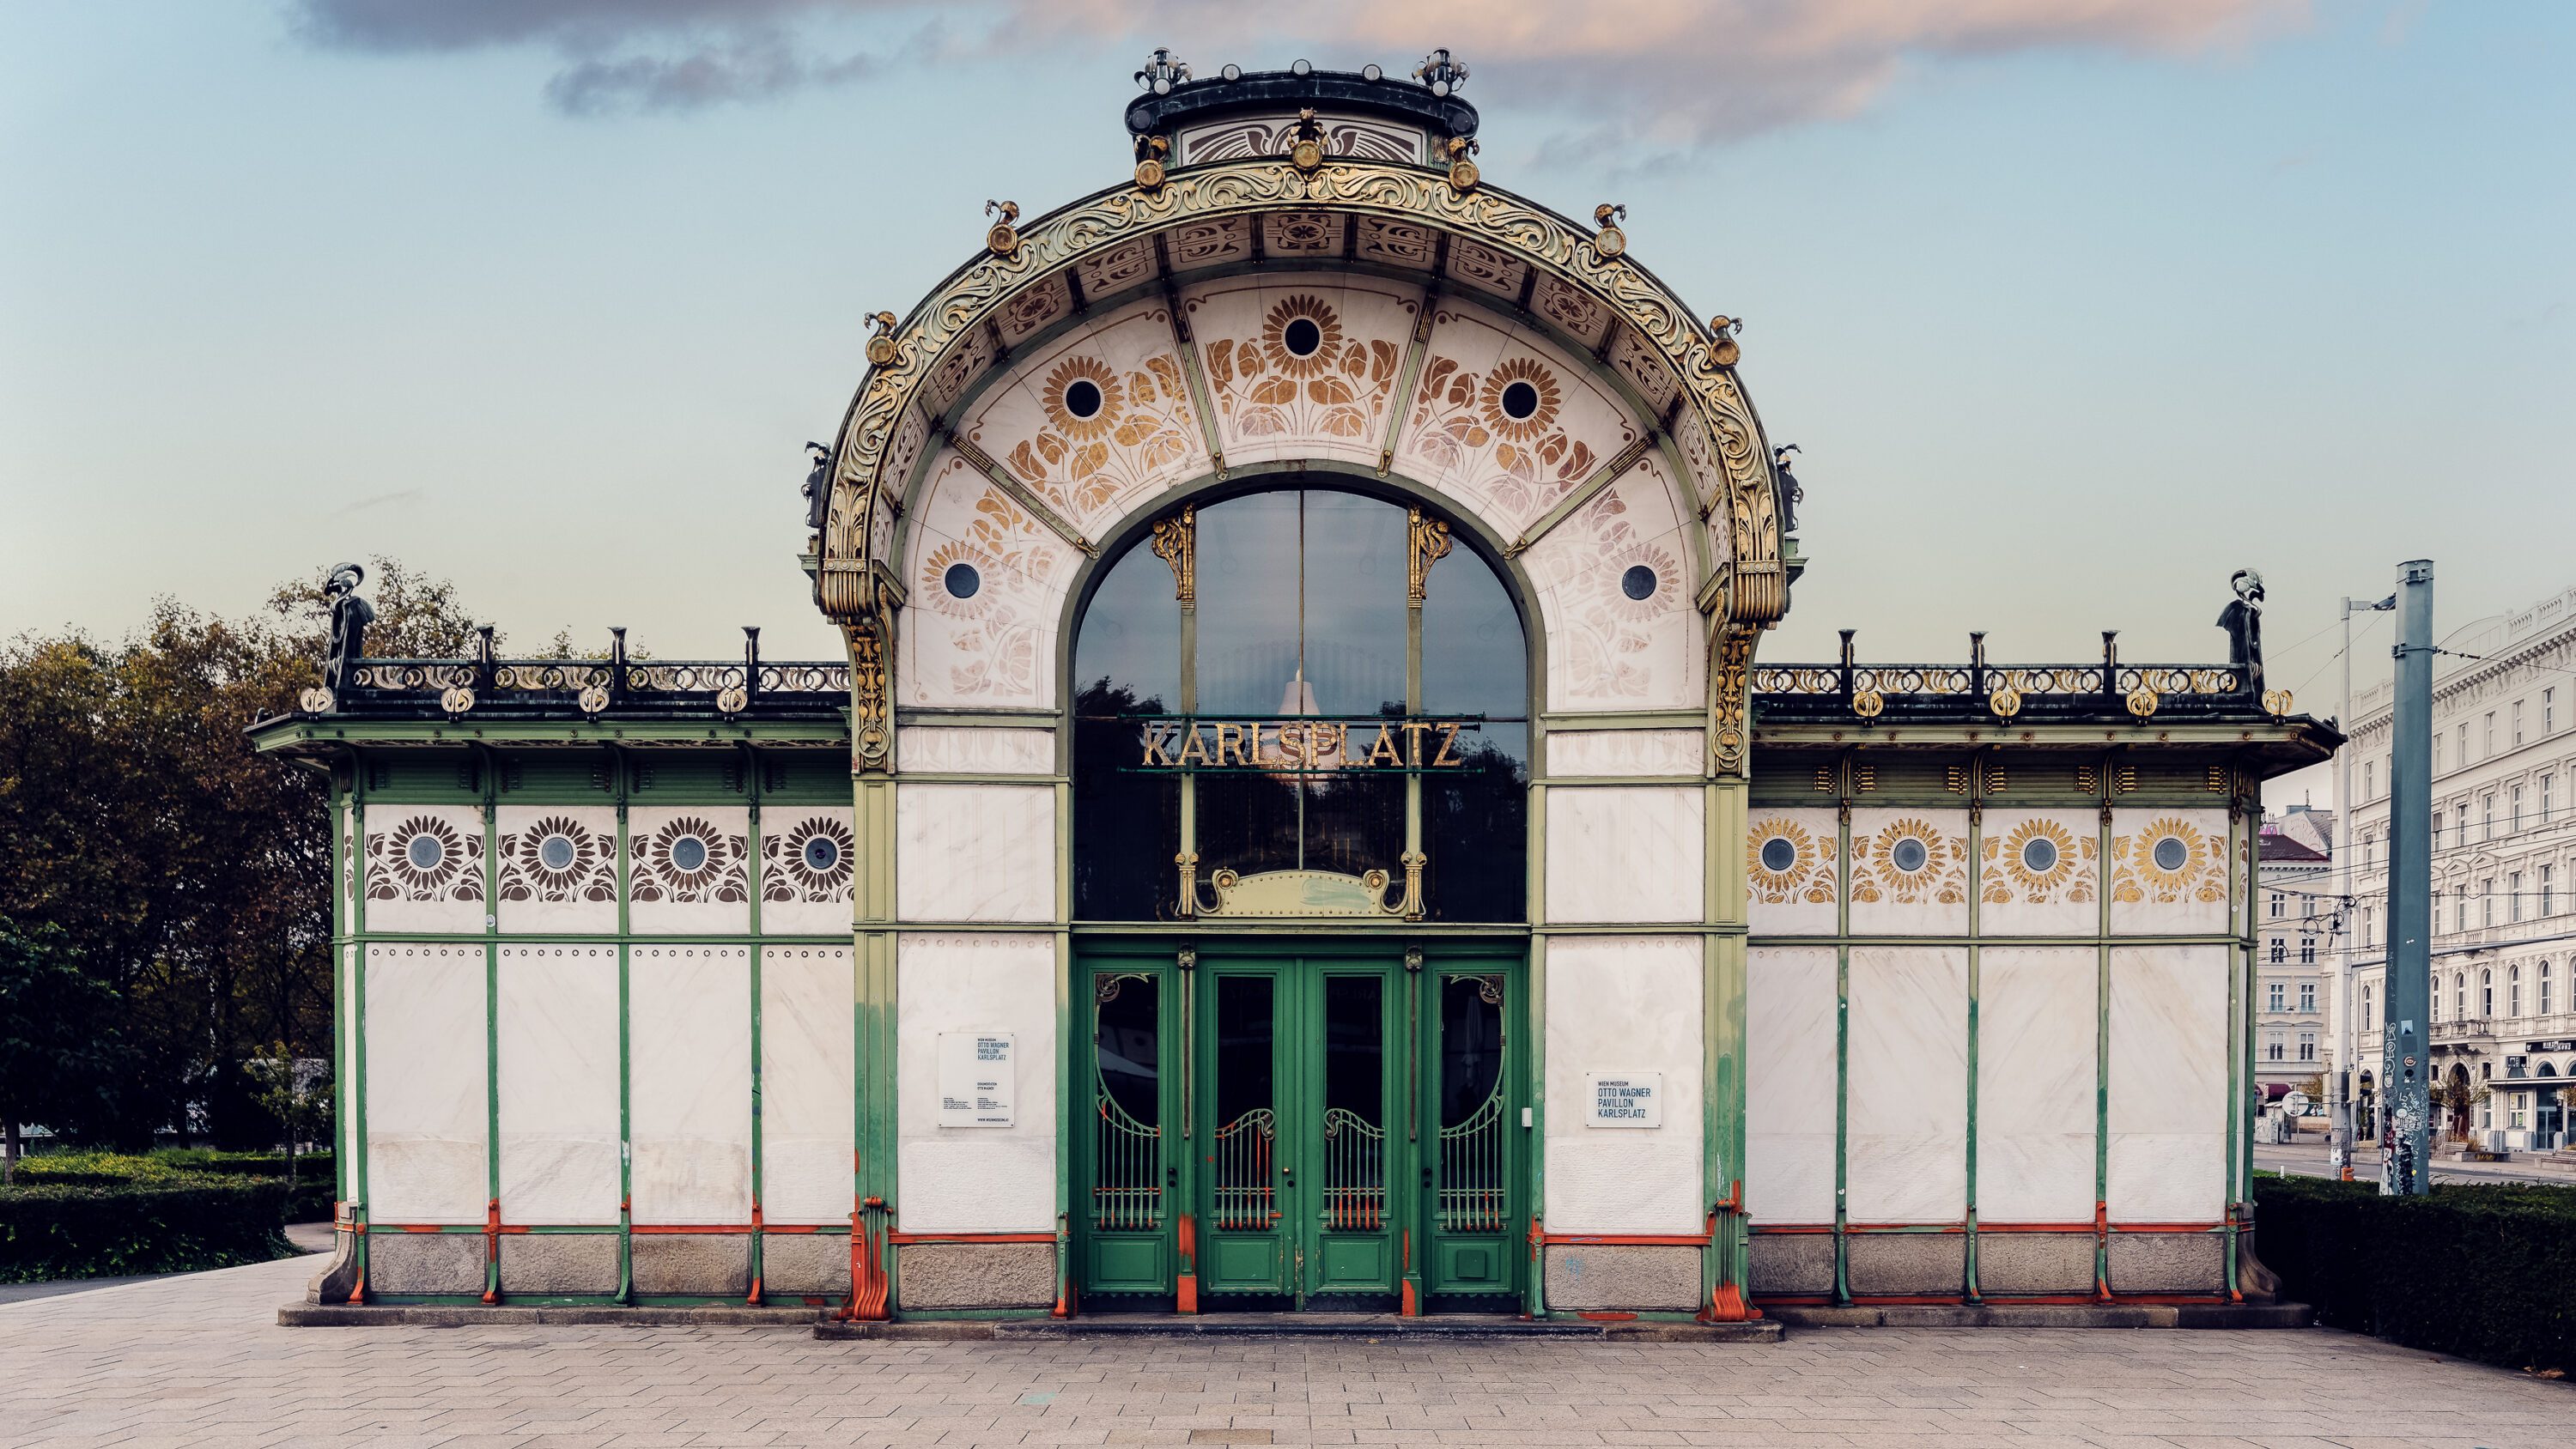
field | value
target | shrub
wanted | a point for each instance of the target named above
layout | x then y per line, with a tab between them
51	1229
2485	1273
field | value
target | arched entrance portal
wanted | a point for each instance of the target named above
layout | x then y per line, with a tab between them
1300	731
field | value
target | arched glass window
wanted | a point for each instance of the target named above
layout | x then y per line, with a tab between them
1256	687
2486	993
2545	1007
2513	991
2460	996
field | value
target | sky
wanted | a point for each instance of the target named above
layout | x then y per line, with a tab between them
2073	307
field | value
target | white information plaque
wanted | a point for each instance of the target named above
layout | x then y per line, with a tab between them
1625	1099
976	1082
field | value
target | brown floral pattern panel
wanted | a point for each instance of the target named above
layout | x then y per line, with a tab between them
1302	366
1097	421
1909	872
1789	872
987	583
1615	582
424	868
691	871
558	868
807	857
1505	422
2040	873
2169	872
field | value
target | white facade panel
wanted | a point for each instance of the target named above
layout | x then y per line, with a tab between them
976	1179
1789	1086
1615	753
1624	1004
557	1028
1625	853
950	750
428	1099
975	852
2169	872
689	1083
2041	874
2036	1082
691	870
1908	1108
808	1083
2168	1078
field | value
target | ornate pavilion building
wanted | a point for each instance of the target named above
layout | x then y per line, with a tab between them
1302	824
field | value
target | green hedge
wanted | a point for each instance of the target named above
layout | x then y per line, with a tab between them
50	1230
2485	1273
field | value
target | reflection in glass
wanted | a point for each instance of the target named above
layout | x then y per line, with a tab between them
1126	825
1474	1194
1354	1102
1246	1129
1475	827
1126	1177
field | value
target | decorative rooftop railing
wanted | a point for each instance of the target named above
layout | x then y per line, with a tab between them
489	686
1919	693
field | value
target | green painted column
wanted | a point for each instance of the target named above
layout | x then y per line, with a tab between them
873	1008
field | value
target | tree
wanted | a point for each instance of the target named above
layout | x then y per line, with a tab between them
299	1100
59	1053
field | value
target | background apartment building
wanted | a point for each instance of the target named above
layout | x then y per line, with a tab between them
2295	960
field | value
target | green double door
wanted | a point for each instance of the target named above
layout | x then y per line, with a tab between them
1319	1130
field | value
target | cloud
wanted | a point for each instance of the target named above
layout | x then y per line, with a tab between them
1679	72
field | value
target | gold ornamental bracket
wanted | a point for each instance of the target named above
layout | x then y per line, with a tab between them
1744	507
1004	238
1610	241
1301	894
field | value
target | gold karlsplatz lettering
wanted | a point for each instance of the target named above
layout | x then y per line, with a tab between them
1413	729
1229	741
1449	734
1384	749
1154	741
1196	749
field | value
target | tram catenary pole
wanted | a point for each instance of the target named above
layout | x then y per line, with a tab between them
2339	1153
2405	1063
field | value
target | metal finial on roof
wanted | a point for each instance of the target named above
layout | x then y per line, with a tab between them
1440	73
1163	71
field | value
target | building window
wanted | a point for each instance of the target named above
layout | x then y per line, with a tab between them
2513	896
2307	950
2547	906
2548	712
2486	993
2366	923
2486	820
2367	1021
2307	1046
2546	790
2307	905
2366	789
2460	817
2276	905
2460	996
2435	1000
2517	721
2460	912
2275	992
2272	1048
2544	988
2280	950
2307	996
2513	991
2463	759
2486	735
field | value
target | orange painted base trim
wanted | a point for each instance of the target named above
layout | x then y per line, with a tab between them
968	1237
1412	1306
1727	1305
1186	1300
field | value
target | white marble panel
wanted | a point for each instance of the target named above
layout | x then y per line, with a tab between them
1789	1084
2036	1022
1622	853
1798	898
1334	402
974	852
346	1029
424	868
1459	440
1908	1142
2168	1079
976	1179
808	1083
809	853
428	1102
995	646
955	750
1599	753
1889	900
558	868
689	1082
692	869
1624	1004
1141	438
1607	650
2040	873
557	1026
2169	873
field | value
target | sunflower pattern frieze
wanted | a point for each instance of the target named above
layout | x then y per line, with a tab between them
1292	365
1615	585
1098	421
2169	861
2039	862
807	860
558	859
1788	863
1513	435
984	583
1910	861
424	857
689	860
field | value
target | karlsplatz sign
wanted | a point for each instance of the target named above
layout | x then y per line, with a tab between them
1392	743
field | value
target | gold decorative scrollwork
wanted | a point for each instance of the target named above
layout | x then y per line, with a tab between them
1175	541
1424	195
871	721
1429	540
1868	703
2142	702
2005	702
1731	656
2276	702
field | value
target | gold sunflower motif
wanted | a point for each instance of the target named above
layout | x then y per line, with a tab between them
1914	862
934	589
1328	328
1060	384
2169	861
811	862
425	859
1498	385
2040	858
1779	856
1658	600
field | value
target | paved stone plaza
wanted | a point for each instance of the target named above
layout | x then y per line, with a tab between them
198	1360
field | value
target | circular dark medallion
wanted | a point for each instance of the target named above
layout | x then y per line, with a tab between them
1638	582
1909	854
426	852
1302	337
1778	854
2171	853
2039	854
961	581
556	852
1519	401
689	853
1082	398
822	853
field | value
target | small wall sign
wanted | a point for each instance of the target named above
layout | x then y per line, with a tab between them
977	1079
1625	1099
